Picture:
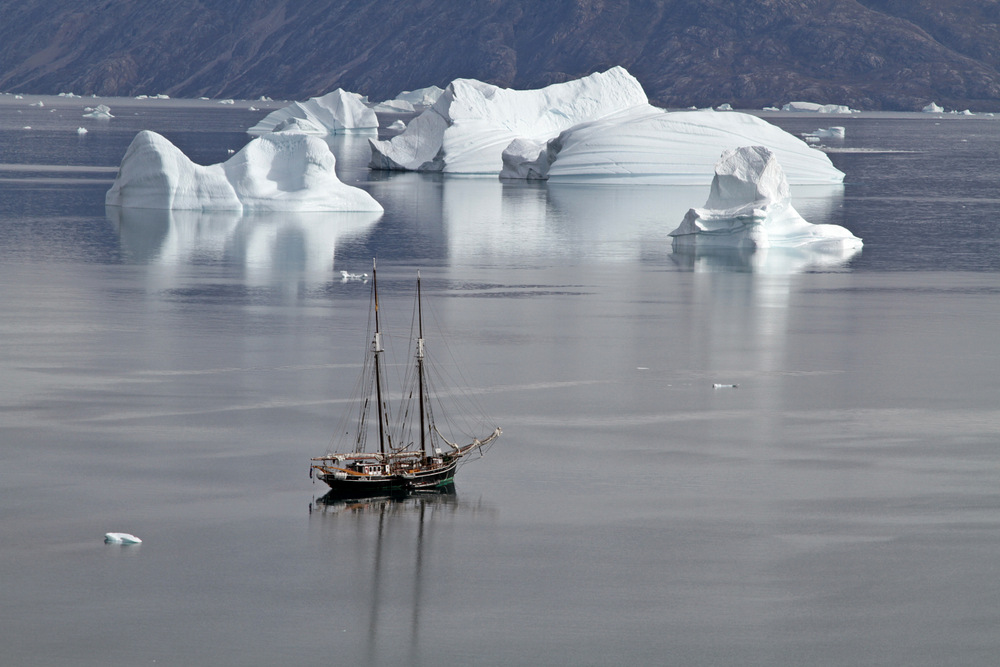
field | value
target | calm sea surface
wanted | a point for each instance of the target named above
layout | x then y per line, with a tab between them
170	375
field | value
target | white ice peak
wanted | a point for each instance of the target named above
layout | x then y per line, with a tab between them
749	207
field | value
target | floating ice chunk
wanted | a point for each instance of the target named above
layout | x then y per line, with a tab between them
39	103
274	172
645	144
933	108
333	113
725	386
227	101
121	538
347	277
81	130
397	126
749	207
725	107
817	108
470	125
836	132
101	111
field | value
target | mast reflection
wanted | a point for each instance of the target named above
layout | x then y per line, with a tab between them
399	545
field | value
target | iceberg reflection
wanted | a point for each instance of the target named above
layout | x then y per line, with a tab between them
487	218
270	246
762	260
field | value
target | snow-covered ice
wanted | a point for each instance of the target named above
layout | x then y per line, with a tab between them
275	172
470	125
333	113
81	130
394	106
836	132
422	97
933	108
817	108
121	538
101	111
599	127
646	144
749	207
397	126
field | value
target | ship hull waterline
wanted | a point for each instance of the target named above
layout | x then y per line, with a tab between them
366	486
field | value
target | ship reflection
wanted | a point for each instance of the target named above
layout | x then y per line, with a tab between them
334	503
398	550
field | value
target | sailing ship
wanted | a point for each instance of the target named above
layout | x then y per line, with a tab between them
410	456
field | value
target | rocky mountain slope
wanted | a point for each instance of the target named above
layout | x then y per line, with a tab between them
868	54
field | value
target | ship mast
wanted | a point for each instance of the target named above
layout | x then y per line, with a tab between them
420	368
377	353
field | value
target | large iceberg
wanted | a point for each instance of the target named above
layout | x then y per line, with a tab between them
647	144
470	125
276	172
333	113
598	127
749	207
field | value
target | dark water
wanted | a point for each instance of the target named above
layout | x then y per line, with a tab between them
171	375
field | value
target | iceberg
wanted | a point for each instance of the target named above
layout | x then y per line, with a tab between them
646	144
121	538
422	97
470	125
749	207
836	132
817	108
933	108
333	113
275	172
101	111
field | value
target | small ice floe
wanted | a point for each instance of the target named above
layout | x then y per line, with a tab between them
101	111
81	131
121	538
345	276
725	386
836	132
227	101
26	127
39	103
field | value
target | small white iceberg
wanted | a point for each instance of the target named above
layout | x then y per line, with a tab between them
121	538
749	207
101	111
81	131
347	277
836	132
933	108
817	108
333	113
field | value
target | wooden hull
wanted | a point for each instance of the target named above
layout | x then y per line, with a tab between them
367	486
